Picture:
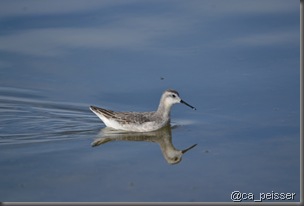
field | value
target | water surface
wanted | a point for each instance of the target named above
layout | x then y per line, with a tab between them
236	62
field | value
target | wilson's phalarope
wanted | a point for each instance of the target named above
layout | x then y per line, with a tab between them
141	121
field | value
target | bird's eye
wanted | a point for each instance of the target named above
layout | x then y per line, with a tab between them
173	95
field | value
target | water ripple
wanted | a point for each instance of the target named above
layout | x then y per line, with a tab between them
26	117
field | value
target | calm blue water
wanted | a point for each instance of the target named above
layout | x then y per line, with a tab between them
237	62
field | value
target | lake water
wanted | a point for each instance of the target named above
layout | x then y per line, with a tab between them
237	63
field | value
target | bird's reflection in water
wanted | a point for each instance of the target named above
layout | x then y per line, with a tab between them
162	137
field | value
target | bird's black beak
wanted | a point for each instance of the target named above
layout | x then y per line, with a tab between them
182	101
186	150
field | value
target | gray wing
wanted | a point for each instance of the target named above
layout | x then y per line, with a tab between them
125	117
133	117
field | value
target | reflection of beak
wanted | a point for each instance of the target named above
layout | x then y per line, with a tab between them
182	101
185	150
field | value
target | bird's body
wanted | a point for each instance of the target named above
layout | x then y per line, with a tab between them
141	121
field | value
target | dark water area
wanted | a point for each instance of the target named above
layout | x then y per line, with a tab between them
243	80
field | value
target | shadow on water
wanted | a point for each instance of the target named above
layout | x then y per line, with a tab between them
163	137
